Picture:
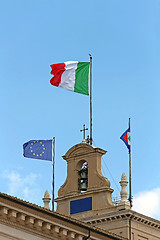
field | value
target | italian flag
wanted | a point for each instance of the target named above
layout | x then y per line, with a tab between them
71	75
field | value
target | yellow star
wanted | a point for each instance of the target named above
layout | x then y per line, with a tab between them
34	154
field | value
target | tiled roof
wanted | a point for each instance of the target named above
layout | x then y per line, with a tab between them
59	216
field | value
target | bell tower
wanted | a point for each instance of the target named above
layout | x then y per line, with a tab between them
86	192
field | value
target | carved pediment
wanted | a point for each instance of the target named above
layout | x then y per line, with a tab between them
82	149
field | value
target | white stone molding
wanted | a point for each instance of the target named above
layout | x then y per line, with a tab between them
71	235
126	214
38	224
3	211
12	215
29	221
21	218
46	227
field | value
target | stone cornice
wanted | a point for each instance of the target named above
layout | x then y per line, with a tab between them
125	215
79	150
39	221
84	194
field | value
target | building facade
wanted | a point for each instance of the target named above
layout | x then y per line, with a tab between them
21	220
86	195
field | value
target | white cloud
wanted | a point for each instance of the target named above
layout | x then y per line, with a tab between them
25	187
148	203
26	192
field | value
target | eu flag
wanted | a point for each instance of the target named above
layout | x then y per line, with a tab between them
39	149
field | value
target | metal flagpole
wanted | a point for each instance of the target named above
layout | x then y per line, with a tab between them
130	192
53	152
91	140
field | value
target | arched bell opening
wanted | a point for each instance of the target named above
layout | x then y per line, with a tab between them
83	177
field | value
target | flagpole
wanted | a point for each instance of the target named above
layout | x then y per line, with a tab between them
130	191
53	154
91	140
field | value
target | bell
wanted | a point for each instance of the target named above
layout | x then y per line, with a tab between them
83	186
83	178
84	174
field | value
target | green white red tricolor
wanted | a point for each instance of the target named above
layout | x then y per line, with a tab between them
71	75
126	138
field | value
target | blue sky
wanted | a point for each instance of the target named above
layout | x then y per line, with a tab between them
123	38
